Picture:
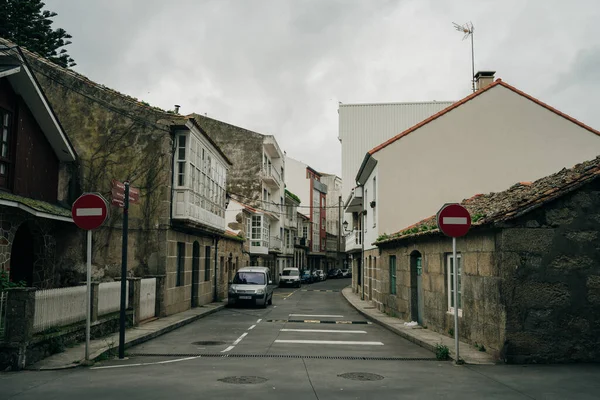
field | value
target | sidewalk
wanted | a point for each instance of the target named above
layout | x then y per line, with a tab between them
75	356
423	337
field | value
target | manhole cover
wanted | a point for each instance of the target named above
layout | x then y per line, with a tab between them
361	376
244	380
209	343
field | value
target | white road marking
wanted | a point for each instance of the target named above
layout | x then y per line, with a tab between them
227	349
240	338
258	322
252	327
88	212
330	342
455	220
321	330
150	363
311	315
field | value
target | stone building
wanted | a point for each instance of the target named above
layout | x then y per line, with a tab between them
178	229
334	246
529	271
36	164
256	179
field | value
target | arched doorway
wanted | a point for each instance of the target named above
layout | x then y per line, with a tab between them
416	287
195	272
22	256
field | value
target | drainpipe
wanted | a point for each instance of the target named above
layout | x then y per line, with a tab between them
215	293
362	253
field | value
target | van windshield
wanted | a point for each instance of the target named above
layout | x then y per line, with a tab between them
249	278
290	272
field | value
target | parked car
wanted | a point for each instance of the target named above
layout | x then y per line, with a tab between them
334	273
306	277
318	275
252	285
346	273
289	277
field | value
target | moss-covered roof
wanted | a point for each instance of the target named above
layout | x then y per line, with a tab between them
37	205
292	196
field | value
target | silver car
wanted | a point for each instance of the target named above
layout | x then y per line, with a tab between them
251	285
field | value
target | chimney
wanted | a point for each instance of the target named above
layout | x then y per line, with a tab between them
484	79
177	108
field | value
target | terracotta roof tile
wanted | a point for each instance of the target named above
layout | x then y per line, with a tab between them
446	110
514	202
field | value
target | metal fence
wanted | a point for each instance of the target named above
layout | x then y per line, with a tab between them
109	297
59	307
147	298
3	303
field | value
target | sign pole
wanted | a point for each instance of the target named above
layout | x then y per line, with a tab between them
455	266
88	296
124	272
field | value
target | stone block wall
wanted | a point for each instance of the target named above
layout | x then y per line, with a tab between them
550	265
483	315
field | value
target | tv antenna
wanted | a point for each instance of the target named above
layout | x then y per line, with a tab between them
468	30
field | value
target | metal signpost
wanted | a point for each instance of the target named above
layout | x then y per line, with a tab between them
122	195
89	212
454	220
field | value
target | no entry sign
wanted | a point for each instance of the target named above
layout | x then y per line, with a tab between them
453	220
89	211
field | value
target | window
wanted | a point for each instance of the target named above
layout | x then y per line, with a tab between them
323	223
181	160
5	144
450	276
207	263
392	274
305	231
180	264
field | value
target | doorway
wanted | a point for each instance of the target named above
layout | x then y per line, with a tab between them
22	256
416	287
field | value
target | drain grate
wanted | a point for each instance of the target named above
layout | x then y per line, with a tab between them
219	355
244	380
361	376
210	343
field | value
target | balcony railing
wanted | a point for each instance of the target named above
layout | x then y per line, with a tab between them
275	243
300	241
354	241
271	176
273	208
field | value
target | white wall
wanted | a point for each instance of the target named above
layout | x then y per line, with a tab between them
372	225
364	126
486	145
296	182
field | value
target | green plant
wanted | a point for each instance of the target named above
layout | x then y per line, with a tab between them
6	283
442	352
385	236
56	345
451	332
477	217
480	347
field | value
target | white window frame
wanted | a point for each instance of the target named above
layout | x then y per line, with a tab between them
450	282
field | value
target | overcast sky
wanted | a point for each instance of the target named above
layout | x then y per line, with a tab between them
280	67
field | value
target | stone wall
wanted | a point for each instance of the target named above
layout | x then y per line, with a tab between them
551	270
483	315
244	149
179	298
115	137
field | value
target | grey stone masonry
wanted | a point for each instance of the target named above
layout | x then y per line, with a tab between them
19	315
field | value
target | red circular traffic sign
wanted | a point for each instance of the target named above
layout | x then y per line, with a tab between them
89	211
454	220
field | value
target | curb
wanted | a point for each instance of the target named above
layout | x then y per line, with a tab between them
134	342
421	343
406	336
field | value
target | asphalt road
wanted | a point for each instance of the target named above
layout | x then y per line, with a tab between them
333	353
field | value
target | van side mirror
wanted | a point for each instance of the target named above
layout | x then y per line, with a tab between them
280	274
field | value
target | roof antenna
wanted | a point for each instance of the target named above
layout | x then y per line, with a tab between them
468	30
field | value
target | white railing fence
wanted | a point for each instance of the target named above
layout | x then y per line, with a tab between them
59	307
147	298
109	297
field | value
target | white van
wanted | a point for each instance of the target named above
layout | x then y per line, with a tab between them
252	285
289	277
